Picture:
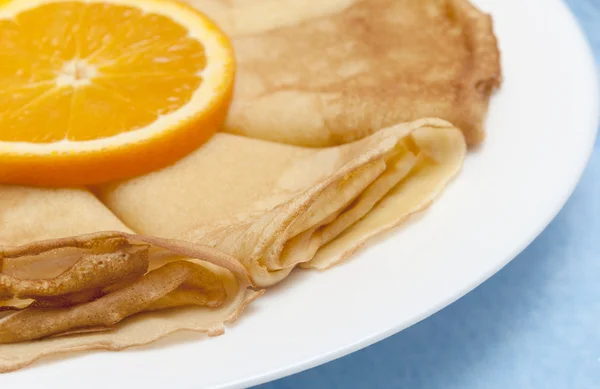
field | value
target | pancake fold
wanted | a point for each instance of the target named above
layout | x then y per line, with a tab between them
323	73
275	206
105	289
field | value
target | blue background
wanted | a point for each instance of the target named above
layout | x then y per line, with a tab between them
535	324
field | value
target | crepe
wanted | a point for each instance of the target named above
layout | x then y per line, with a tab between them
249	211
107	290
275	206
129	262
322	73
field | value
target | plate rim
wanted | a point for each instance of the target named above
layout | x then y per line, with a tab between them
308	362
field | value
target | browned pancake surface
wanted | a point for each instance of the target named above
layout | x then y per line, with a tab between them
317	74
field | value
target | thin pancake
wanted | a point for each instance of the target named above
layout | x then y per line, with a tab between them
275	206
106	290
321	73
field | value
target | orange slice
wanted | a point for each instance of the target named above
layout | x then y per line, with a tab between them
96	90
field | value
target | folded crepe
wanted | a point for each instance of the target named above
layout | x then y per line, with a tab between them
322	73
177	249
275	206
61	291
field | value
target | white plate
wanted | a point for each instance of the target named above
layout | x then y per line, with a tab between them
541	131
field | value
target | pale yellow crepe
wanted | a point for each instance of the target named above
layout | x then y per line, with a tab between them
326	72
270	206
110	290
275	206
177	249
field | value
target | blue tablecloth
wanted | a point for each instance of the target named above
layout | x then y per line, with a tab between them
534	325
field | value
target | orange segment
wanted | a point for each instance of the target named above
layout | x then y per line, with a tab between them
160	95
93	106
42	119
97	90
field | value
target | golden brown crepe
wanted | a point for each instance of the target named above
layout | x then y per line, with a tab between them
269	206
177	249
322	73
275	206
112	289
